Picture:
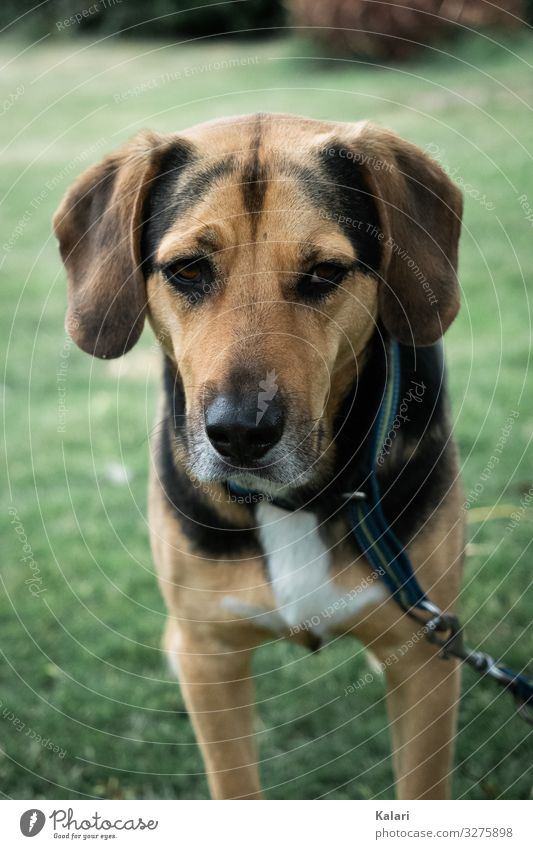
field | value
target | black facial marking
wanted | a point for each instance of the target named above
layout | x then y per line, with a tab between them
208	532
307	178
254	184
191	189
158	211
254	180
173	193
346	198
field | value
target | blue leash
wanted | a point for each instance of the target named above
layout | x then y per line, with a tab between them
389	559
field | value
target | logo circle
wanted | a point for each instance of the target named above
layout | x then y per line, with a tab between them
32	822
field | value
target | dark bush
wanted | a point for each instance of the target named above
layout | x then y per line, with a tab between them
135	18
397	29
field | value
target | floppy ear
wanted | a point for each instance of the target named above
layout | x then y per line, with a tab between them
420	211
99	229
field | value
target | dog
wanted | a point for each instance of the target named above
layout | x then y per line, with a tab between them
273	257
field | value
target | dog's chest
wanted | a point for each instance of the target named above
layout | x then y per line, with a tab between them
299	567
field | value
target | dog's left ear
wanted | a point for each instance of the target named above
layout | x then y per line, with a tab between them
98	226
420	211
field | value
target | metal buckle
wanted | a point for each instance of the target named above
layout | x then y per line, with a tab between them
452	645
357	495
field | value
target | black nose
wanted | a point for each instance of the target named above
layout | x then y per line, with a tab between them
240	430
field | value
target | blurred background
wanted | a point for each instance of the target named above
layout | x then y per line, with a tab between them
87	708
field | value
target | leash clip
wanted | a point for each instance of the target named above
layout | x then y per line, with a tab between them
452	645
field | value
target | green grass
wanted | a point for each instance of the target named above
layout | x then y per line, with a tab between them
83	666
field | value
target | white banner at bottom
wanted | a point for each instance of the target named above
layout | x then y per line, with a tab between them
264	825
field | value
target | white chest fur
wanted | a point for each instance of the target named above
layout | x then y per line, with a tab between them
299	569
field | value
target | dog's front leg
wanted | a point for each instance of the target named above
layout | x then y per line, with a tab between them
216	682
422	700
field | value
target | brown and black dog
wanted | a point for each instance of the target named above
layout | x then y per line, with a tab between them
274	256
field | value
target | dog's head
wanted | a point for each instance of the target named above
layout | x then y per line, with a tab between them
263	250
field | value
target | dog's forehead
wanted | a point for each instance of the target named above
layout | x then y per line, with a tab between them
269	178
272	132
254	162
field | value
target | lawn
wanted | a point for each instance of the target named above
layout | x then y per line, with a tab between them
87	708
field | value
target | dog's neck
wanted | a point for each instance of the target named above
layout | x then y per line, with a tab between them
410	462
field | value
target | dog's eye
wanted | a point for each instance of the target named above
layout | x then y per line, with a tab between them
188	274
330	272
321	280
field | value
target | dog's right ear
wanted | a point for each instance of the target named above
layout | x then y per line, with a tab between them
99	227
